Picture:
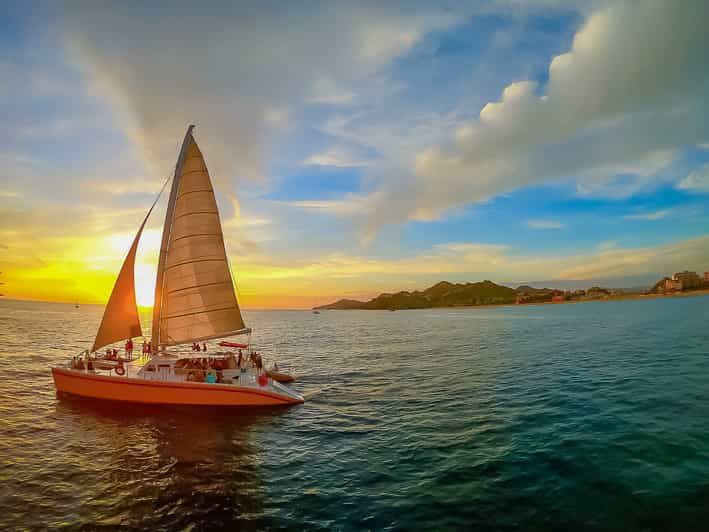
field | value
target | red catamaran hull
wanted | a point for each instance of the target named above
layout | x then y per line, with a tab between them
163	393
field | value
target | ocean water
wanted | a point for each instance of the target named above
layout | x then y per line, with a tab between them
590	416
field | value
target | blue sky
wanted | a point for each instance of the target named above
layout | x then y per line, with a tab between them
359	147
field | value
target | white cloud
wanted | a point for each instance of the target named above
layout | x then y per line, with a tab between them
655	215
337	157
395	139
238	221
225	67
278	118
350	205
616	102
618	181
126	186
696	181
327	91
475	261
544	224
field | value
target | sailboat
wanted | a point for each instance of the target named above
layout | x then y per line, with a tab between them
194	302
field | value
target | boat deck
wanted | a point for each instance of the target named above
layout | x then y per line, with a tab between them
163	370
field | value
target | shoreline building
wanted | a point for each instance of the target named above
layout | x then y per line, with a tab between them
671	285
688	279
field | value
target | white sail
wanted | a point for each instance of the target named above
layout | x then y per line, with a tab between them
195	297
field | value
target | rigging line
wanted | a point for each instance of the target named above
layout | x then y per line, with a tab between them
232	275
162	189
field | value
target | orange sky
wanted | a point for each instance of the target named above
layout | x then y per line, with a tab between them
83	268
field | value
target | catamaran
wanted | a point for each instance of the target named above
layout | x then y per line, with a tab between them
194	302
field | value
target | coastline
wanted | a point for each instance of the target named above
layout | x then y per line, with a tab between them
608	298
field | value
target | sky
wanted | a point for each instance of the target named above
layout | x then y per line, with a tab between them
358	147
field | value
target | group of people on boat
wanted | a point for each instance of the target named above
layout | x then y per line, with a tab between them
77	362
229	361
112	353
204	369
147	348
210	369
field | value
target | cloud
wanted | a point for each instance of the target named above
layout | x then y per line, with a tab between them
238	221
656	215
348	206
227	66
336	157
616	101
126	187
475	261
544	224
335	275
9	194
327	91
278	117
696	181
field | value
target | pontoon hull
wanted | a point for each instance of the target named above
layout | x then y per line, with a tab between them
134	390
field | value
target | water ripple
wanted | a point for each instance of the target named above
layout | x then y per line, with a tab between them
569	417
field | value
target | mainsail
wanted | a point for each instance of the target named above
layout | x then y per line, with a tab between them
120	318
194	294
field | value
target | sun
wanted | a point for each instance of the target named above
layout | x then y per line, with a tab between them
145	284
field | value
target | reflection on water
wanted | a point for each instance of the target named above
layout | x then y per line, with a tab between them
154	466
570	417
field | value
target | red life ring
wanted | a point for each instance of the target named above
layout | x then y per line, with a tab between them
120	370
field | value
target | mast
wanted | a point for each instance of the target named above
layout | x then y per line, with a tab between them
157	305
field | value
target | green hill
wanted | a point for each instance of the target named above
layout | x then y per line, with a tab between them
443	294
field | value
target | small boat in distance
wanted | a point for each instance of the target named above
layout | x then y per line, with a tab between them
194	302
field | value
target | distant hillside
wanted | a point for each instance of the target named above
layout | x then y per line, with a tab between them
342	304
443	294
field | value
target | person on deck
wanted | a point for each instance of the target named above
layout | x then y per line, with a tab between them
150	348
145	346
129	349
204	347
259	363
